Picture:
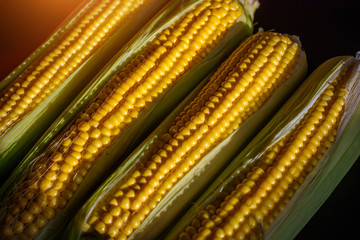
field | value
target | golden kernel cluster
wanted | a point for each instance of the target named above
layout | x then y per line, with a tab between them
253	200
233	94
57	175
30	89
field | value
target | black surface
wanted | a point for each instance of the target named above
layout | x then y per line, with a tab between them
326	29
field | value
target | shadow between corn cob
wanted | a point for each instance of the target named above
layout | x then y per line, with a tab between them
35	93
158	68
280	179
149	190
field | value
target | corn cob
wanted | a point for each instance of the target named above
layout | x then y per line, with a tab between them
270	176
56	183
35	94
136	192
29	91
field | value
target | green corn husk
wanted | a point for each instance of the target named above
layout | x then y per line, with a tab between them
23	134
319	183
191	184
148	117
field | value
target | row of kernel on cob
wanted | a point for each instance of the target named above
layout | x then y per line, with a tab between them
158	68
261	191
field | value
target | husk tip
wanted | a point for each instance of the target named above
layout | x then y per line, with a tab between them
250	6
357	55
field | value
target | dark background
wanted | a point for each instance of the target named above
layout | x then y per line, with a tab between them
326	29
